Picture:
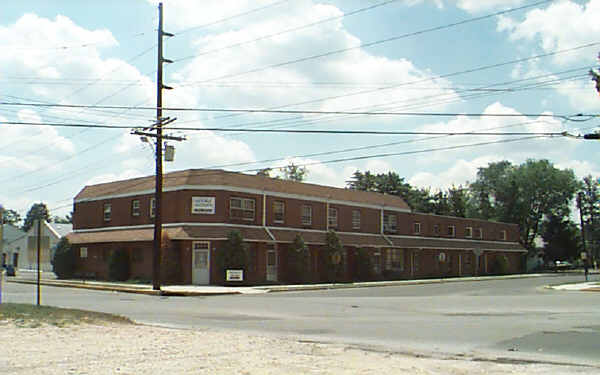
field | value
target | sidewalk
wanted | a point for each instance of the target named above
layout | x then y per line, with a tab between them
26	277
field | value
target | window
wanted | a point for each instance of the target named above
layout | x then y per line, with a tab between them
502	235
394	260
355	219
241	208
83	252
107	211
137	256
135	207
436	229
417	228
376	262
332	217
152	207
203	205
468	232
390	223
479	233
279	211
451	230
306	215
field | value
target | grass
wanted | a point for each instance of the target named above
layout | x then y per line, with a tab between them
32	316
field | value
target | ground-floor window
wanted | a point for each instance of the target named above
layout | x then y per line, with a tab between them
394	260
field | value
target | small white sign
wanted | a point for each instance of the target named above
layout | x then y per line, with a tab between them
235	275
203	205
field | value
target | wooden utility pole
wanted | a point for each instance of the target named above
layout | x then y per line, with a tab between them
158	126
39	243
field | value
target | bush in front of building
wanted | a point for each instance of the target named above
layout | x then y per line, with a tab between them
363	266
118	265
331	258
63	260
500	265
298	261
234	254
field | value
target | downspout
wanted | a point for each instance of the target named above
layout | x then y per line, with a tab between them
327	214
381	226
264	215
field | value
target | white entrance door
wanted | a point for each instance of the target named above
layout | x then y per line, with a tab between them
201	263
271	265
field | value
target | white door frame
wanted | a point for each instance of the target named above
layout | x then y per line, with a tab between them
272	269
200	263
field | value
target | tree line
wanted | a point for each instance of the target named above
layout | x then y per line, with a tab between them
36	211
535	195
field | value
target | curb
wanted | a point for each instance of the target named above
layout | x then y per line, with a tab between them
272	288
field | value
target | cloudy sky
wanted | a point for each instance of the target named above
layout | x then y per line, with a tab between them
522	64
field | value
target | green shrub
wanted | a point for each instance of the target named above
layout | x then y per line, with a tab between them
500	266
298	261
363	270
63	260
233	255
118	265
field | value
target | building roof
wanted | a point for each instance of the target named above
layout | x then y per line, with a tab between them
311	237
191	178
60	229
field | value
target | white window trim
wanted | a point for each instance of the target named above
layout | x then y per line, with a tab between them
356	219
416	227
469	232
332	219
387	223
309	216
152	208
135	209
282	213
453	234
243	207
83	252
107	211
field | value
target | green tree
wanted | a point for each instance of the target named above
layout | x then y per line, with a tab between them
561	239
524	195
10	216
63	260
294	172
362	181
298	261
589	203
234	253
38	211
265	172
331	257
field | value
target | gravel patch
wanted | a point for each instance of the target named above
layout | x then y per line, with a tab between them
133	349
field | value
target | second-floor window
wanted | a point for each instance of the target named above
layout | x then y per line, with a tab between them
278	211
355	219
306	215
436	230
417	228
107	211
242	208
502	235
451	230
135	207
390	223
332	217
152	207
468	232
479	233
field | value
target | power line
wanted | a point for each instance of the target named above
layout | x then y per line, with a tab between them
377	42
272	35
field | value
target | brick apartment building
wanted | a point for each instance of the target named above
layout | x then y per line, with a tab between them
201	207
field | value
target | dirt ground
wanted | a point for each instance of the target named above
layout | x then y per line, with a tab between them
133	349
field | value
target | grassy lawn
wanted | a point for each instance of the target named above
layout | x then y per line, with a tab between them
31	316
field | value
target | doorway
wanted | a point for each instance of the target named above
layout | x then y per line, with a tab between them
201	263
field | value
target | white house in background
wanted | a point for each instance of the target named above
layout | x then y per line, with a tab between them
51	233
13	240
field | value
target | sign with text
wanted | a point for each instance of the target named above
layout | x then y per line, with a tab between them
203	205
235	275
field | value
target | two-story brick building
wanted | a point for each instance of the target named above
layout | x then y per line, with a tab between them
201	207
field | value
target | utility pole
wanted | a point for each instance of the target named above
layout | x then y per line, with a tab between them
38	236
158	126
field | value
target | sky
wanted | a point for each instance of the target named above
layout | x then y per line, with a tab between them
433	66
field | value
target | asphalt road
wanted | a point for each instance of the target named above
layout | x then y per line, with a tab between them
499	319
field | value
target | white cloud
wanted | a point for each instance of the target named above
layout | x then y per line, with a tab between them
110	177
472	6
547	27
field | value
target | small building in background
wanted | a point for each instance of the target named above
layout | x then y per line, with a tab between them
51	233
13	240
